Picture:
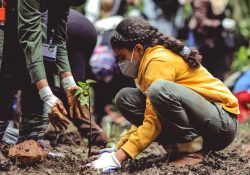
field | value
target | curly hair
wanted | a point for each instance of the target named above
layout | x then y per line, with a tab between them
132	31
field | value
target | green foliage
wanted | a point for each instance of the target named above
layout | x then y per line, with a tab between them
83	93
241	13
241	58
114	133
244	22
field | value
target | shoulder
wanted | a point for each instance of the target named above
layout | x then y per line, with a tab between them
162	54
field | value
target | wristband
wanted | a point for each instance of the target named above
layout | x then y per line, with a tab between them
68	82
45	92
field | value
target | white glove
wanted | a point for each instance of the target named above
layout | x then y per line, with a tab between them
68	82
53	108
48	98
107	162
107	150
228	24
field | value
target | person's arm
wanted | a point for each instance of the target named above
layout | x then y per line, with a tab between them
57	21
30	38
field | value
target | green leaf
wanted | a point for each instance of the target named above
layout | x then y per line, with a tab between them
80	91
82	85
83	100
89	81
86	89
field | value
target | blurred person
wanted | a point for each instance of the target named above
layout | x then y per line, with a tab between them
165	15
177	102
207	24
99	9
242	92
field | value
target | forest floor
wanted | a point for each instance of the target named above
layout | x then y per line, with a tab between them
233	160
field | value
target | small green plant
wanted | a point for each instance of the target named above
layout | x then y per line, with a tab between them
84	98
114	133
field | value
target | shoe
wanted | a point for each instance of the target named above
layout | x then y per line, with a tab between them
181	159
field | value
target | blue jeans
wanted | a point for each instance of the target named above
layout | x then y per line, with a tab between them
184	114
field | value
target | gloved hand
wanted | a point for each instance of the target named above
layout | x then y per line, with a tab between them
107	150
75	106
107	162
53	107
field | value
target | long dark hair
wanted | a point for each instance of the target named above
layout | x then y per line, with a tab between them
132	31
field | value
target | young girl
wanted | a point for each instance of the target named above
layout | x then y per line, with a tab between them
177	102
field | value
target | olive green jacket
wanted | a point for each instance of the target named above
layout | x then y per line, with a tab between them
31	31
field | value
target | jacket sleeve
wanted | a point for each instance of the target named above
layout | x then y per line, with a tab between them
30	37
151	127
1	46
30	32
57	19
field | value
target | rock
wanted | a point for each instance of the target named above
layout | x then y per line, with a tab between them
27	152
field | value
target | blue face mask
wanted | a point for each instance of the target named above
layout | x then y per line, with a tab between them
129	68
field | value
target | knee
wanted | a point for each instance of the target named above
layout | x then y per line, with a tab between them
122	96
160	87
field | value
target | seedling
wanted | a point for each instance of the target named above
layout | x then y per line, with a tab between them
84	98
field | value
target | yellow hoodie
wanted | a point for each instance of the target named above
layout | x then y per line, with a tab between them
159	63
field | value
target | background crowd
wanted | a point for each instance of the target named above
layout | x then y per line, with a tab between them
219	29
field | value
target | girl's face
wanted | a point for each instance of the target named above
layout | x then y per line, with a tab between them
126	54
129	61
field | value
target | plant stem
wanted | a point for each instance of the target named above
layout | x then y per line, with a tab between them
90	126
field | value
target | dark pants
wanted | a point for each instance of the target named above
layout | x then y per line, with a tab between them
33	124
184	114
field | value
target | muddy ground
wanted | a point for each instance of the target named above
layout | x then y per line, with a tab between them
233	160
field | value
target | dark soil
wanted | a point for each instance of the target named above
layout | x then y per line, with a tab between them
153	161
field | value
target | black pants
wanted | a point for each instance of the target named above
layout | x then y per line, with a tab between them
184	114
